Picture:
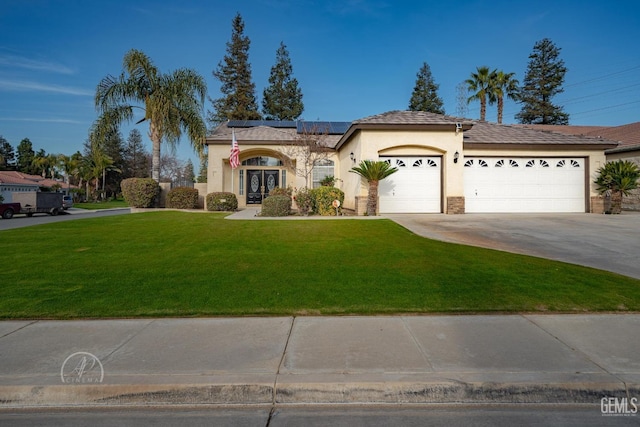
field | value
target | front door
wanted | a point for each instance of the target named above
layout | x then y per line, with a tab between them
260	183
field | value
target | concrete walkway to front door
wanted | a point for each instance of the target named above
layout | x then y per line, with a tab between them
606	242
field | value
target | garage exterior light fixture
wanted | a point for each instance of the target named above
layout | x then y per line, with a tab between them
352	157
456	156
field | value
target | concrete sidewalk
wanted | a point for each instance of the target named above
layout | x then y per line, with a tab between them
283	360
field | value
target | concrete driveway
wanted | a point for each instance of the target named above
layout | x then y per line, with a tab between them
606	242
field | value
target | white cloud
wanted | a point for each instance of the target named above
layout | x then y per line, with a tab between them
40	120
27	86
31	64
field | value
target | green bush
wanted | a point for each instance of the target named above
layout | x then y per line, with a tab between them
323	198
222	202
140	192
276	206
281	191
182	198
304	200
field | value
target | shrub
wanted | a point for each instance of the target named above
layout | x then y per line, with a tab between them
140	192
304	200
222	202
323	198
182	198
281	191
276	206
328	181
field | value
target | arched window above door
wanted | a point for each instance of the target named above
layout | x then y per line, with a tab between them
262	161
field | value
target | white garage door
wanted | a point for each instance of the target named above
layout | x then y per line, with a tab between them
415	188
524	184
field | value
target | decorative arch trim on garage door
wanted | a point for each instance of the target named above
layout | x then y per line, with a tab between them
506	184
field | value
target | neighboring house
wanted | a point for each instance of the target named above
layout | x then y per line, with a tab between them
13	182
628	137
446	164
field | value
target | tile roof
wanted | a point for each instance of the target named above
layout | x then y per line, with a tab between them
410	118
19	178
261	134
492	133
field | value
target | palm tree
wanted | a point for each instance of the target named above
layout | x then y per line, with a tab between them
373	172
616	179
504	84
481	84
172	103
69	165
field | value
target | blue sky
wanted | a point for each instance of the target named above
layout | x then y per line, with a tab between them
352	58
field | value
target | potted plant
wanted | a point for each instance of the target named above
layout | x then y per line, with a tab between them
615	180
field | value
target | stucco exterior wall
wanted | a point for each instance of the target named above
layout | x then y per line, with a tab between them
371	144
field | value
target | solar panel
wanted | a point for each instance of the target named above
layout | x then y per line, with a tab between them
331	128
255	123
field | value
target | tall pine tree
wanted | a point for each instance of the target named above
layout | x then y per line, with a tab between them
234	72
136	158
282	100
543	80
425	93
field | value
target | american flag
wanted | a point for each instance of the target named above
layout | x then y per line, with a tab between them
234	157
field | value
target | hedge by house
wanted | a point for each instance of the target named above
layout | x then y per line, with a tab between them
182	198
222	201
276	206
323	198
140	192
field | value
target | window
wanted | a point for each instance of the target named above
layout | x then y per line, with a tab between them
560	164
431	163
575	164
400	163
544	163
417	163
321	170
483	164
499	163
513	163
468	163
262	161
241	183
284	179
530	163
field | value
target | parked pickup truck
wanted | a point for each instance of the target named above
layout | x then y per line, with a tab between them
38	202
8	209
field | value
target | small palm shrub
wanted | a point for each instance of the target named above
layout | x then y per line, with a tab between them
140	192
222	201
276	206
323	198
182	198
616	179
304	200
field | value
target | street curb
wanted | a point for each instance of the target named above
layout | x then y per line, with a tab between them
309	393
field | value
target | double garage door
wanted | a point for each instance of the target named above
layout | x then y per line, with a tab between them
491	184
524	184
415	188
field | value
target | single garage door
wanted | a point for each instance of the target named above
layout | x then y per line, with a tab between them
524	184
415	188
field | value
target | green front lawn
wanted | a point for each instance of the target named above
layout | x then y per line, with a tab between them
111	204
188	264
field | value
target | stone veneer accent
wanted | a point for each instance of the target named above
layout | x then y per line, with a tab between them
455	205
597	205
361	205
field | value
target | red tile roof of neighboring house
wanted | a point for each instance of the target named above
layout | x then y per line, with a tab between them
627	135
19	178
